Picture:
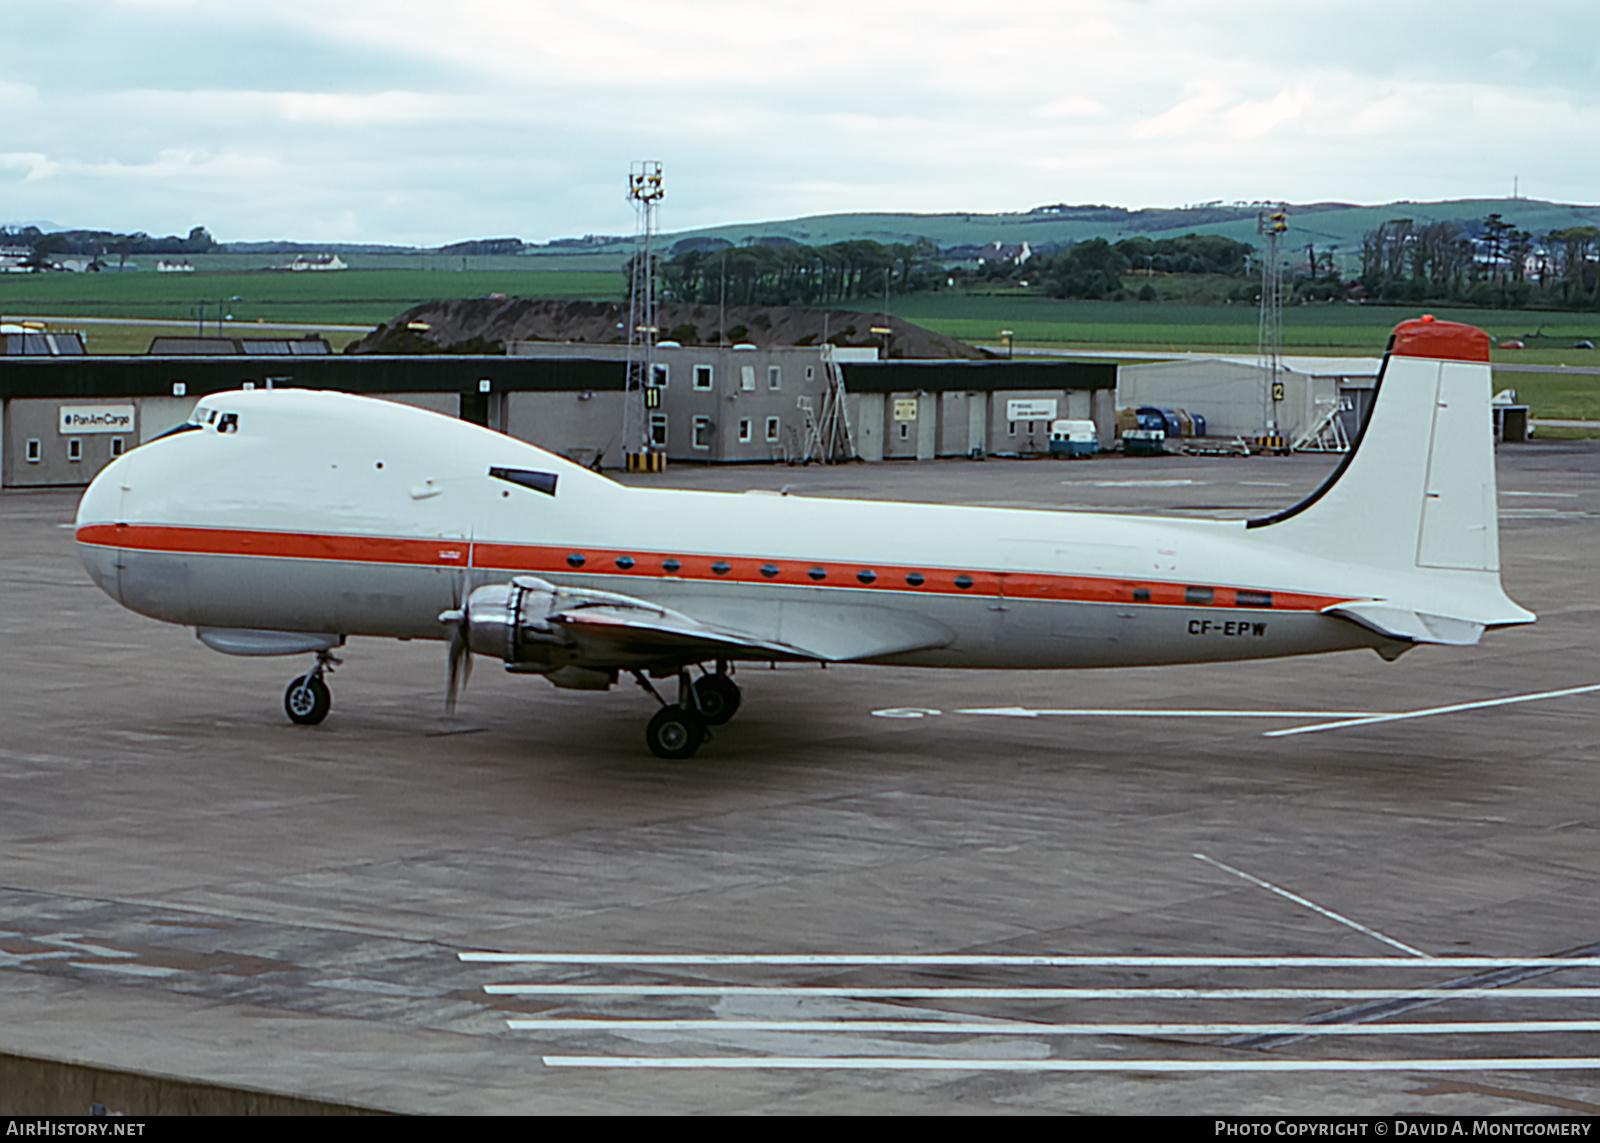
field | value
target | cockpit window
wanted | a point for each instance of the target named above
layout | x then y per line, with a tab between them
229	423
186	427
538	481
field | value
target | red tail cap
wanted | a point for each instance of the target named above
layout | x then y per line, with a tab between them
1443	340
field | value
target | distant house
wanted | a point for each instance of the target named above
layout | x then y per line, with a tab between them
998	251
182	266
317	262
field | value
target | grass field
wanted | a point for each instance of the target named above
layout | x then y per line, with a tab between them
346	297
1333	329
366	297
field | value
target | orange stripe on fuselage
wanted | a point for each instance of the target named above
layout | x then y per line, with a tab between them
514	559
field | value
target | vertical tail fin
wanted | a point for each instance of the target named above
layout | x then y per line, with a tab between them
1415	496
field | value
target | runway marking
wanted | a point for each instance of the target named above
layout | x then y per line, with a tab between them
1024	1028
891	1063
1367	720
950	960
955	992
1340	719
1312	905
1006	1029
129	969
1153	483
1107	712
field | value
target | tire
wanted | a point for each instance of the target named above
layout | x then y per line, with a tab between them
307	701
717	697
675	733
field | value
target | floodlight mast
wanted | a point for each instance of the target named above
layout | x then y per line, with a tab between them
644	191
1269	340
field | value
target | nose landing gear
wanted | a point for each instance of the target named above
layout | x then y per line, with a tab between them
308	700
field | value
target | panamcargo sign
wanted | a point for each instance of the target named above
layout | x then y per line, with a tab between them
79	419
1030	410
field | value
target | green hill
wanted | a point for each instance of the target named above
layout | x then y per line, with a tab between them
1327	224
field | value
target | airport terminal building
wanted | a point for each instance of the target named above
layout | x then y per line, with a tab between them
66	417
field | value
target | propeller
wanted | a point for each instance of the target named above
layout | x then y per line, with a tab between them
460	654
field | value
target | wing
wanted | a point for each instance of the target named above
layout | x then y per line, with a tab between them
643	631
606	629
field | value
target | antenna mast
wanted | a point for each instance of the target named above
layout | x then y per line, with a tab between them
644	191
1269	339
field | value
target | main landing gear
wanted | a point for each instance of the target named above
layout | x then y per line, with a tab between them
308	700
678	729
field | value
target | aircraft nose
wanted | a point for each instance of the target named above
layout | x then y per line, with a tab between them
97	525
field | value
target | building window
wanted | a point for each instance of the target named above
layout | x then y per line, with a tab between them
35	451
747	378
658	430
658	376
811	372
74	449
118	447
702	376
772	428
702	432
744	431
1011	428
774	378
905	431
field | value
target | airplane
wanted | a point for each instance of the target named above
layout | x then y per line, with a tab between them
283	522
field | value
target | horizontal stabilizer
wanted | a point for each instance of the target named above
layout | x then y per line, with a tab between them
1417	626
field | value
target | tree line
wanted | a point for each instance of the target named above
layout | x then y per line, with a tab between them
1094	269
101	243
1497	266
786	275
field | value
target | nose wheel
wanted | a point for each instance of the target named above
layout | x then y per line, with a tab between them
308	699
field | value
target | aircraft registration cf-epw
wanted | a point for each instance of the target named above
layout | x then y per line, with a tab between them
282	522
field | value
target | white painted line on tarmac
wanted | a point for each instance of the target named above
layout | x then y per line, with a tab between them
1106	712
1312	905
1368	720
1040	993
949	960
890	1063
1340	719
128	969
1023	1028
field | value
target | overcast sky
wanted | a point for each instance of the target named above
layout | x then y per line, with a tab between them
410	122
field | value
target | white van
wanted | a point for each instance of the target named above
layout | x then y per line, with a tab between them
1073	438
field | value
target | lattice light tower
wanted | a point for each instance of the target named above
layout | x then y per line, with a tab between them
644	191
1269	340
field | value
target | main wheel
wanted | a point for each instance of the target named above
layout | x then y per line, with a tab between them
307	701
717	696
675	733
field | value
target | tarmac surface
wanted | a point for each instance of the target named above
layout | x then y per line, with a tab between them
192	888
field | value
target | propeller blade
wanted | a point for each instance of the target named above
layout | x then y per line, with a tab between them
460	656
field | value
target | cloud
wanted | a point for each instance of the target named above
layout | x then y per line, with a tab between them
404	121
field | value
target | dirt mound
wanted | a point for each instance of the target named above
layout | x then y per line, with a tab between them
485	325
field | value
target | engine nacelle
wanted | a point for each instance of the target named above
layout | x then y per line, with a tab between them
510	622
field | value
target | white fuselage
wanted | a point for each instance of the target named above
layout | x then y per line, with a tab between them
321	512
